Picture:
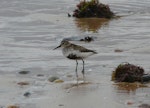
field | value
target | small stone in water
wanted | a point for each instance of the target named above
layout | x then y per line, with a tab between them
23	83
53	78
40	75
27	94
130	103
24	72
118	50
58	81
61	104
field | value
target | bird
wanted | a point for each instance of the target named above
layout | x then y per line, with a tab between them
75	52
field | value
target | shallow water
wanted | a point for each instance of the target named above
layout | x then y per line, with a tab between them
30	29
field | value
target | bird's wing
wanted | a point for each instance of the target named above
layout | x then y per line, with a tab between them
82	49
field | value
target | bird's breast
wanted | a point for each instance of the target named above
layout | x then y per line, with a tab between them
70	53
75	54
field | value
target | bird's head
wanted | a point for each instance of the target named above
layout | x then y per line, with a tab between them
63	44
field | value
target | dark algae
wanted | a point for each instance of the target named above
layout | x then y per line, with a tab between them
129	73
92	8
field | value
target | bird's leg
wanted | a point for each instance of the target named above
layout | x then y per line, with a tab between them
83	70
76	68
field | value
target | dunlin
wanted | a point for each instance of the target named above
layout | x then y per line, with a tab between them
75	52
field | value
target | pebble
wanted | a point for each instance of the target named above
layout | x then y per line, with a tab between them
40	75
130	102
53	78
61	104
118	50
23	83
24	72
27	94
58	81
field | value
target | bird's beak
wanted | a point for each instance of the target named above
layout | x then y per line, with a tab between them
57	47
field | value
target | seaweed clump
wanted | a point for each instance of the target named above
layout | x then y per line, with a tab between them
93	8
128	73
87	39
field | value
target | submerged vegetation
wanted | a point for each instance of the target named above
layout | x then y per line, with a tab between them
128	73
92	8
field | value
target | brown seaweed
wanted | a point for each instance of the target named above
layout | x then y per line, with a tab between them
128	73
92	8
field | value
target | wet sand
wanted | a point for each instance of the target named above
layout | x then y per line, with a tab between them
31	29
96	91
